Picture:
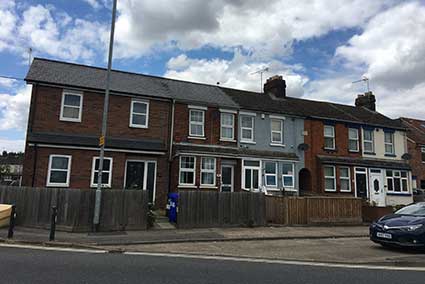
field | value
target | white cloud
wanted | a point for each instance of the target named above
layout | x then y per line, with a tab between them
93	3
10	145
8	83
235	73
14	109
265	28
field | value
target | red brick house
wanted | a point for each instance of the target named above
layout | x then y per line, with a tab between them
416	147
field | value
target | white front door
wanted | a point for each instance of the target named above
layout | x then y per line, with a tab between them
376	187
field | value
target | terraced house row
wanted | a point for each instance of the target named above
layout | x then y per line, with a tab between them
167	135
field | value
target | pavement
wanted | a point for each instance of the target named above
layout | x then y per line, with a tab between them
23	265
33	235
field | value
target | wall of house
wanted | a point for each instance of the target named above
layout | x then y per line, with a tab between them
314	137
46	108
418	166
400	145
37	164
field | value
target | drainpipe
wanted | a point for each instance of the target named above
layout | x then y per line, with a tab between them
170	154
34	168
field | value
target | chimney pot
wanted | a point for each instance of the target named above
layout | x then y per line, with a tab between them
366	100
275	85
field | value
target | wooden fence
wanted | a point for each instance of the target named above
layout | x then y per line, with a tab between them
120	210
197	209
313	210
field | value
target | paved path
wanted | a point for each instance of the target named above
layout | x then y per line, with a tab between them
19	265
167	236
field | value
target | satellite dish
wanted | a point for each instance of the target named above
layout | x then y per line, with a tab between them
406	156
303	147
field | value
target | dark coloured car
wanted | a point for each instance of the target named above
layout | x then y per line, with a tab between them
404	228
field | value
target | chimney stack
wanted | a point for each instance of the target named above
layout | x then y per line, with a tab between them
276	86
366	100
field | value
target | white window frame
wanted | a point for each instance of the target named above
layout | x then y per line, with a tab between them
389	143
269	174
232	126
192	170
252	176
201	110
281	121
406	178
353	139
345	178
68	171
330	177
327	136
369	141
212	171
292	187
80	107
94	173
252	128
135	125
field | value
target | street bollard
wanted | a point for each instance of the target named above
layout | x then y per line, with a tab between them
12	222
53	223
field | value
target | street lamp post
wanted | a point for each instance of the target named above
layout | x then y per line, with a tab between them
96	217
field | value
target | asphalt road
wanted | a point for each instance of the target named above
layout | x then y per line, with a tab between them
19	265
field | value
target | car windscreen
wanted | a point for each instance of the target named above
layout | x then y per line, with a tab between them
417	209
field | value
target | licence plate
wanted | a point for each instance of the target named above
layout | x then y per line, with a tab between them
384	235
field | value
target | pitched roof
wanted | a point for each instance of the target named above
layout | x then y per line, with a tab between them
88	77
83	76
415	129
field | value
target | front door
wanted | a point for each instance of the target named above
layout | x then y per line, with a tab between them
361	182
376	187
141	175
227	178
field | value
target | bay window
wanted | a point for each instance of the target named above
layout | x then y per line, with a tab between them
288	175
187	170
329	172
344	179
270	174
208	171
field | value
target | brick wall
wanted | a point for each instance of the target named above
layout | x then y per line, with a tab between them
418	167
81	169
315	139
47	106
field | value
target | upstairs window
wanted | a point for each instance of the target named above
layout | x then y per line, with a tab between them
59	170
106	172
329	133
389	143
208	171
423	154
139	114
196	122
247	128
71	107
353	139
227	126
368	144
276	126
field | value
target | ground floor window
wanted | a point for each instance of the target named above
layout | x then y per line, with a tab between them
344	179
187	170
251	175
397	181
270	173
59	170
329	172
208	171
106	172
288	175
141	175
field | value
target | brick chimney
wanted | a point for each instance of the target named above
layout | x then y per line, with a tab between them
275	85
366	100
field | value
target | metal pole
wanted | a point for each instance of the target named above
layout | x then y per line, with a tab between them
11	222
98	199
53	223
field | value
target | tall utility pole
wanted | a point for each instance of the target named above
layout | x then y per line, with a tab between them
98	200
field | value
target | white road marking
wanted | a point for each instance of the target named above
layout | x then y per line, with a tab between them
52	248
277	261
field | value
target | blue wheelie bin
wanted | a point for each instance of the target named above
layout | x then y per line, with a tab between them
172	206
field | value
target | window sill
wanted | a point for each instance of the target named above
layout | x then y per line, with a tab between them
208	187
227	140
70	120
138	126
57	185
102	187
330	149
345	191
186	186
248	142
369	153
353	151
277	145
197	137
399	194
390	155
330	190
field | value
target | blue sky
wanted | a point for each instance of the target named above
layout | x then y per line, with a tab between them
319	47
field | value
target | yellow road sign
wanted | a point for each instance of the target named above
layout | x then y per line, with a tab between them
101	140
